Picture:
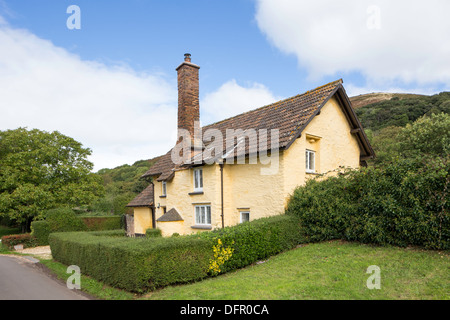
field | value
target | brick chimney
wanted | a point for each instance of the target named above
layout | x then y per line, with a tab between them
188	97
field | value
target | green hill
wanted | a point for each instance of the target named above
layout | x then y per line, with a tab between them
122	184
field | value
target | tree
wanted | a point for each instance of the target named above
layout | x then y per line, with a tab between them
426	136
40	170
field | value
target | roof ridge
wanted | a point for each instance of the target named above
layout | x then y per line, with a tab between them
340	81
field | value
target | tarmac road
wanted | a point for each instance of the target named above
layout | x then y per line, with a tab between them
21	278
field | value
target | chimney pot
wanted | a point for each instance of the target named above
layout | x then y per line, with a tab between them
187	57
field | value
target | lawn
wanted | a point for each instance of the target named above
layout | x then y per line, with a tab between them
329	270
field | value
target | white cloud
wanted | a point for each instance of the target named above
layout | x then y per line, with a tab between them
409	43
118	113
232	99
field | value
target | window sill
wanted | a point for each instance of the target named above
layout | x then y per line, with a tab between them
195	193
163	196
204	227
314	173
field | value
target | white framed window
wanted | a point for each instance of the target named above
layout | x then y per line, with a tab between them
198	179
203	215
164	188
310	161
245	216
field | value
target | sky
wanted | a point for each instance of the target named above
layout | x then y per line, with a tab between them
110	82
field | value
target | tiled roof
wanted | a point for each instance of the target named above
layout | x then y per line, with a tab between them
144	199
289	116
171	215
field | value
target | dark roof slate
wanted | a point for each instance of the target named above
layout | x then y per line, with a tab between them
171	215
144	199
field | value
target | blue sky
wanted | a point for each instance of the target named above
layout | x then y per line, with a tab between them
112	84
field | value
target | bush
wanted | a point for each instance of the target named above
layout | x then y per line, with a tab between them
145	264
40	230
152	233
63	220
404	203
26	239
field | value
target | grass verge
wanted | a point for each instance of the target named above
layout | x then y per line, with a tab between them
328	270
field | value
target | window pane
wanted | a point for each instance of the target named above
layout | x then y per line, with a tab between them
195	179
311	161
200	171
208	215
245	216
307	160
202	215
197	215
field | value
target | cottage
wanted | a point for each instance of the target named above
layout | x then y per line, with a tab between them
246	167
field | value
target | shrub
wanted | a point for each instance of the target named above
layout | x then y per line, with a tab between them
404	203
26	239
152	233
64	219
40	230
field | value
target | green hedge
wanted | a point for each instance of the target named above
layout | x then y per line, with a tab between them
142	264
152	233
133	264
64	220
257	240
404	203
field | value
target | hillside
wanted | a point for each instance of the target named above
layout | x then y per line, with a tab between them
381	110
122	184
369	98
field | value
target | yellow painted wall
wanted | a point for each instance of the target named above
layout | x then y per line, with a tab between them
245	188
142	219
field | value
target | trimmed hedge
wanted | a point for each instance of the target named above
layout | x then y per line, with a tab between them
153	233
64	219
142	264
257	240
133	264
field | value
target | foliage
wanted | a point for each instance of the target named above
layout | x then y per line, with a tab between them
26	239
403	203
152	233
134	264
257	240
426	136
220	256
122	184
65	220
42	170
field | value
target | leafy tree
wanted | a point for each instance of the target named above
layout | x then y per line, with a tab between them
41	170
426	136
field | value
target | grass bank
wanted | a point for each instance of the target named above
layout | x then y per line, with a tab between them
328	270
